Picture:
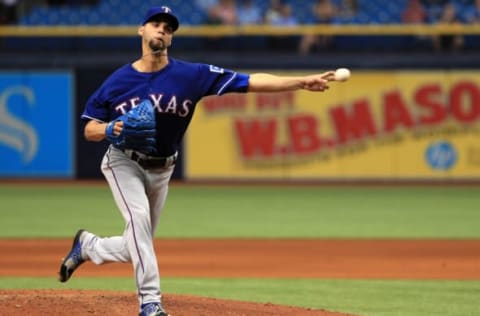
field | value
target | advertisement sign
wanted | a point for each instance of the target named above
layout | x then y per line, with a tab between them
377	125
36	124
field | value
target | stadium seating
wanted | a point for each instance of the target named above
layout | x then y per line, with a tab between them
120	12
108	12
129	12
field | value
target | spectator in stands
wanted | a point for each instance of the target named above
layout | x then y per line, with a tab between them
414	13
248	13
324	12
448	42
281	14
472	12
225	12
273	12
8	11
285	17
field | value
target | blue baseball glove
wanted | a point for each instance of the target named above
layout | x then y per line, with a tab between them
138	131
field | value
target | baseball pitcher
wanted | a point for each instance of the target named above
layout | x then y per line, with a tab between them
143	109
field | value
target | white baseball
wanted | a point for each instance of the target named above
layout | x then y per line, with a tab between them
342	74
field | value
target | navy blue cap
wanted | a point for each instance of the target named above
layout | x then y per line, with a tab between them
161	11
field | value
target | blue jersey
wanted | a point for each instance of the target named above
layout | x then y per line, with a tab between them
174	91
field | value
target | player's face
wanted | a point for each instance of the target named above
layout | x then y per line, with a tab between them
158	35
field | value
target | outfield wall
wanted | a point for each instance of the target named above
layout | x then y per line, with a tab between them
380	125
387	125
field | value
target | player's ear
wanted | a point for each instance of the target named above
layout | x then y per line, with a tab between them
140	30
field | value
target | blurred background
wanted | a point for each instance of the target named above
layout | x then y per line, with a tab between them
410	111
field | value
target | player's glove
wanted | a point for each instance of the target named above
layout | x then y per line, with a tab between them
138	131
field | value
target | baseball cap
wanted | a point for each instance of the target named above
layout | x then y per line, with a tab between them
161	11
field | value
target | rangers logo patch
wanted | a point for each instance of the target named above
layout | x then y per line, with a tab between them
216	69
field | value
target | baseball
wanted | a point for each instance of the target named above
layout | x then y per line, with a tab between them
342	74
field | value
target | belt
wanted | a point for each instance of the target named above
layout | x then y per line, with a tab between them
150	162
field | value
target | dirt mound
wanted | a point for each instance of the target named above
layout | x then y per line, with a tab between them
361	259
82	302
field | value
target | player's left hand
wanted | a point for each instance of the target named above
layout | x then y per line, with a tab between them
318	82
117	128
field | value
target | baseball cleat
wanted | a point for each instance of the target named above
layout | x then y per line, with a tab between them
74	258
153	309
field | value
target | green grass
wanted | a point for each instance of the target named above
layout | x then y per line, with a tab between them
252	212
33	211
319	212
360	297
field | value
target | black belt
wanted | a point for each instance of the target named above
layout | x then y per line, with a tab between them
149	162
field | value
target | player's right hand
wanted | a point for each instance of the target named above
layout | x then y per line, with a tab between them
318	82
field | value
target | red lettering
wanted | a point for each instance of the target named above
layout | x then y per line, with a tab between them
427	98
395	112
256	137
228	102
275	101
303	133
465	102
356	125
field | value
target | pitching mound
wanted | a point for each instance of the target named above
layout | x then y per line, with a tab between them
81	303
360	259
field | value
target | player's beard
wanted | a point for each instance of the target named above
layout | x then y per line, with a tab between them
157	46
